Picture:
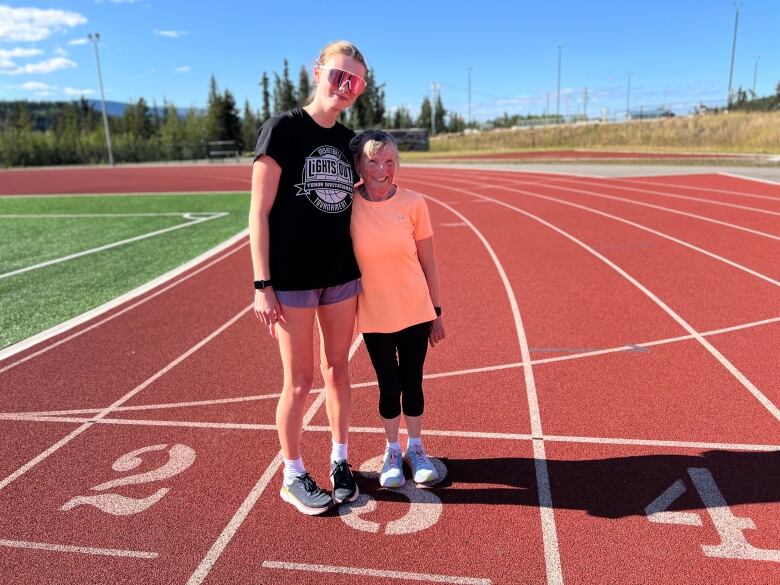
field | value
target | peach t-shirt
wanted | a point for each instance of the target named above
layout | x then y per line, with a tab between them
395	293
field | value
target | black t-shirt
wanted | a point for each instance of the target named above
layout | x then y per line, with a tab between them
310	245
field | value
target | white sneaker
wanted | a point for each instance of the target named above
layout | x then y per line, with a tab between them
423	470
392	474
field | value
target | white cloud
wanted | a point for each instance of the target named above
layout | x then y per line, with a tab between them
184	69
49	66
119	1
34	24
19	52
74	91
82	41
37	86
61	52
171	34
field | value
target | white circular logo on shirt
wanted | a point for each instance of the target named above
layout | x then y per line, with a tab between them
327	180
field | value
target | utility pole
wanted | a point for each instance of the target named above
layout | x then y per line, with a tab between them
558	106
755	74
469	97
95	38
737	6
434	91
628	96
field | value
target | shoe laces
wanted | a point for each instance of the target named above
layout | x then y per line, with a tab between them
308	483
341	469
417	455
393	457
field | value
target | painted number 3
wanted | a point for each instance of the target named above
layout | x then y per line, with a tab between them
180	457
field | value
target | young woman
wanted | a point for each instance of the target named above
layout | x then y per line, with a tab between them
304	267
399	311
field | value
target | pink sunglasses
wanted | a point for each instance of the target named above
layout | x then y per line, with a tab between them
339	78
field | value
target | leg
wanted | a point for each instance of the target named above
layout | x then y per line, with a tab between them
412	349
337	323
382	351
295	346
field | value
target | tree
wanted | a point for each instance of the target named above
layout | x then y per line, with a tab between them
424	119
266	112
249	126
441	112
142	120
213	113
777	89
402	118
284	92
304	87
368	110
457	123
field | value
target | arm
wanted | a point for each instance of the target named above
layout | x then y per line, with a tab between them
265	181
428	263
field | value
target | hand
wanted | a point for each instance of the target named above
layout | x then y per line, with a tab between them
268	309
437	332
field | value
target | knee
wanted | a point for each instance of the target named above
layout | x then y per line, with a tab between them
299	387
336	374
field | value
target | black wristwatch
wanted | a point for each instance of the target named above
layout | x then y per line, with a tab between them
261	284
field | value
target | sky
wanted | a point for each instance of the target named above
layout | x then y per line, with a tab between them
613	53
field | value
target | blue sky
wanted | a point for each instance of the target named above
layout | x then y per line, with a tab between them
677	52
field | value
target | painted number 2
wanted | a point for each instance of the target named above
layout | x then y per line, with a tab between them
733	544
180	457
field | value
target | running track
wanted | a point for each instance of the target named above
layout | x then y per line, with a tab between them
606	403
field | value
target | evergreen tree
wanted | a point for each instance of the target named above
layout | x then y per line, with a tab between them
249	126
457	123
441	112
266	113
304	87
22	121
284	92
214	128
230	123
424	119
402	118
142	120
155	119
368	110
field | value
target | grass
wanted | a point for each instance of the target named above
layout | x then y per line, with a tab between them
39	299
735	132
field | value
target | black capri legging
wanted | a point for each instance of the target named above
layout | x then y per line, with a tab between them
398	360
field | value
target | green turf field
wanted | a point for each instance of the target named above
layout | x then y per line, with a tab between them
38	230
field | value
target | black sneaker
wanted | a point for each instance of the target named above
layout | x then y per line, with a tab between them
344	487
304	494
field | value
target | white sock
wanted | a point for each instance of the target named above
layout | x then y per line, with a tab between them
338	451
414	442
292	468
394	446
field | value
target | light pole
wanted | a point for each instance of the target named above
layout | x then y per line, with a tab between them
737	6
755	74
95	38
628	96
558	105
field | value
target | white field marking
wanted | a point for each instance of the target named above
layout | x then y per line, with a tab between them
375	573
767	181
185	214
137	292
254	427
675	196
216	550
190	223
741	378
87	550
552	555
128	194
708	189
371	383
641	227
106	411
652	206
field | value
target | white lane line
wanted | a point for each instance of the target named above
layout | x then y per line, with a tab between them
612	185
106	411
660	208
109	246
375	573
254	427
745	178
371	383
641	227
219	546
87	550
707	189
740	377
552	555
135	293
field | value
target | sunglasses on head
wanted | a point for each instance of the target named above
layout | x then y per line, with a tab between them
339	78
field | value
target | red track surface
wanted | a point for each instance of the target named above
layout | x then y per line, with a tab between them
551	466
587	155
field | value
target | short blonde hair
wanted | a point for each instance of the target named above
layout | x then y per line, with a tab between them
373	141
341	48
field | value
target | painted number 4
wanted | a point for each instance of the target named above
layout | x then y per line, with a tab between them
733	544
180	457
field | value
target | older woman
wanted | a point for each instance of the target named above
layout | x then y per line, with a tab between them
399	311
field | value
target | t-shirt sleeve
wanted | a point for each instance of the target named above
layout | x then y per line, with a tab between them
421	219
270	140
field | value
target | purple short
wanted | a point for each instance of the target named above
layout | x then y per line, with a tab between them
319	296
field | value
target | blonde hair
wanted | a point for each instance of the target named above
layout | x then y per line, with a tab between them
341	48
